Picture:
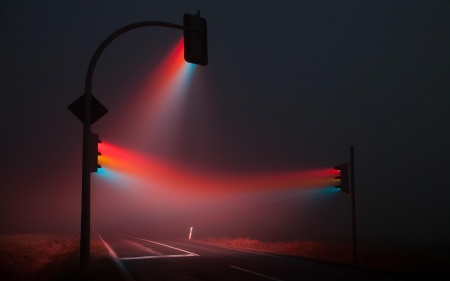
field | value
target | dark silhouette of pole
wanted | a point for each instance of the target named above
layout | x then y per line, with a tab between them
352	180
86	168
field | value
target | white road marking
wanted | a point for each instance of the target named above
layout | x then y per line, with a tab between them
190	254
318	265
126	274
157	257
242	250
256	273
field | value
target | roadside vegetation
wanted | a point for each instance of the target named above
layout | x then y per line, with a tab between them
392	263
52	257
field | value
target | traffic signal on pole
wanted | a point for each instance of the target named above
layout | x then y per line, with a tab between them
195	42
95	153
343	177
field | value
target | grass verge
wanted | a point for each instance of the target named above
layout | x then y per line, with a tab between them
52	257
392	263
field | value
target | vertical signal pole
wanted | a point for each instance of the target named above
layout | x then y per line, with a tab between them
352	182
86	187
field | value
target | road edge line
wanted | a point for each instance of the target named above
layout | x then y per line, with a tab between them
126	274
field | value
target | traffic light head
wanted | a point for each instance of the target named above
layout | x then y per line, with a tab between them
95	153
195	42
343	177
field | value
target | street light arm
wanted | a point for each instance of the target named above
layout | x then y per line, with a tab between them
102	47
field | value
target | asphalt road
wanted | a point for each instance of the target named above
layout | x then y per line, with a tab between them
145	259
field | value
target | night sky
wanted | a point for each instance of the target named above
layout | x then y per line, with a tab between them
289	87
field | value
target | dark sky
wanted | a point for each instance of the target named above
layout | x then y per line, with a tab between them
289	87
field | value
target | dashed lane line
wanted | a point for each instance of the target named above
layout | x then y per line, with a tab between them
256	273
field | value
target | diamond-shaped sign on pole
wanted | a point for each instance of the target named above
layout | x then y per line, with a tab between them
97	109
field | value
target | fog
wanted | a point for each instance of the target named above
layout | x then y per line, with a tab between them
244	146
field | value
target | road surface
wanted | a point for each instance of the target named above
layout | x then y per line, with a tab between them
144	259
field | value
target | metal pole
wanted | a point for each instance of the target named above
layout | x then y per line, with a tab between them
85	202
86	169
352	180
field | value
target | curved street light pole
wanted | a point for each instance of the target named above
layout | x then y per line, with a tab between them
86	173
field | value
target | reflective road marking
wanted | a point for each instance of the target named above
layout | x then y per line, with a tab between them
256	273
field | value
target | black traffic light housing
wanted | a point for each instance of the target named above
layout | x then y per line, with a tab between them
344	179
95	153
195	42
